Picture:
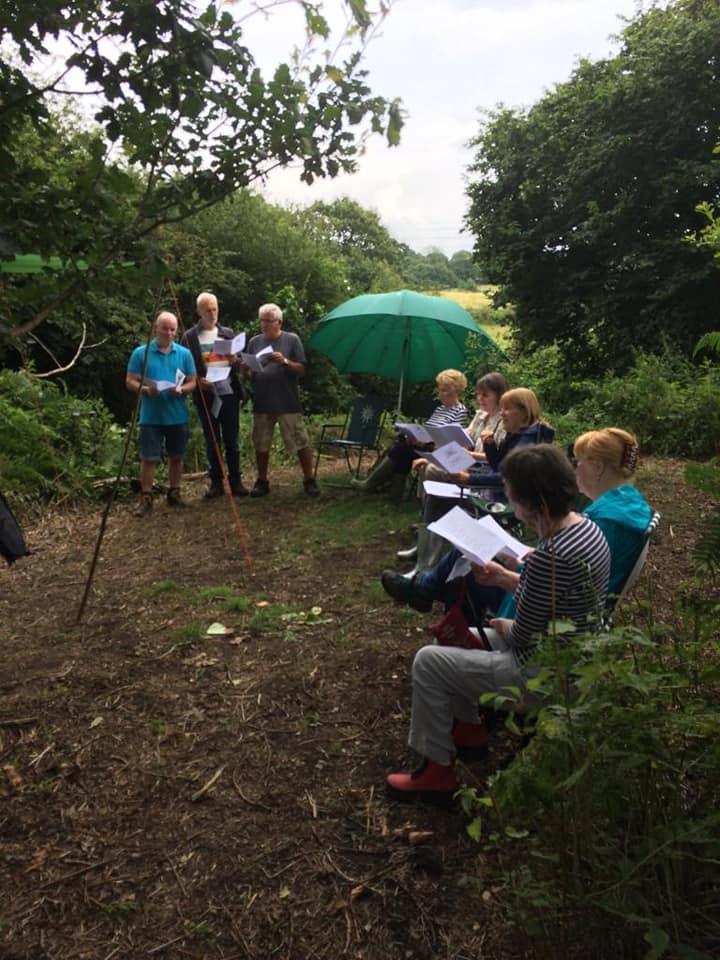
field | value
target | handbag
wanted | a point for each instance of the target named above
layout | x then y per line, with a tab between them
451	630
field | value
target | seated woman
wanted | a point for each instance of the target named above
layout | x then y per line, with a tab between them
520	419
488	391
605	460
565	578
451	384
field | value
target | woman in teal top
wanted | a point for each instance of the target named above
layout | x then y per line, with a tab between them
605	460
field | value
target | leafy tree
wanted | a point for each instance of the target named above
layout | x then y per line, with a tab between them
468	273
581	205
178	102
372	257
429	271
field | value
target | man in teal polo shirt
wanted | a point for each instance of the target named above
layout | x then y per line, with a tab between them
169	375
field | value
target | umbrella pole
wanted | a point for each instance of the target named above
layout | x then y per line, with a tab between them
403	364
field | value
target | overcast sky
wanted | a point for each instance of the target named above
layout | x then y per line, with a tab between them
447	60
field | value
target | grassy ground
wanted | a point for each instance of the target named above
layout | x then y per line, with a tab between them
169	792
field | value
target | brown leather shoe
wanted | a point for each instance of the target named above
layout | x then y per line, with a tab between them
174	499
144	505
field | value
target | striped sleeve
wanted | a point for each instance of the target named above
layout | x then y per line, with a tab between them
564	579
444	415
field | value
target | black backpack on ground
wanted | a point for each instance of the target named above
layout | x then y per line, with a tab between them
12	542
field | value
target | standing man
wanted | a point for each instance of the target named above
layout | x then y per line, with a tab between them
217	404
276	399
169	375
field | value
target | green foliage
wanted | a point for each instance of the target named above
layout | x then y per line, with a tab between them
618	789
164	586
191	114
671	405
187	636
227	596
51	443
706	552
581	206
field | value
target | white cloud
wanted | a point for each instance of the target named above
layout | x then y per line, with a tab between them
446	59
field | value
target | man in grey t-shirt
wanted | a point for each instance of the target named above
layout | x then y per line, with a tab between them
276	399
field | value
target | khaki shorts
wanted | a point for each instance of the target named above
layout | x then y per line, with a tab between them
292	430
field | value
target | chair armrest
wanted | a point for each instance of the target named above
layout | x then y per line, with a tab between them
326	427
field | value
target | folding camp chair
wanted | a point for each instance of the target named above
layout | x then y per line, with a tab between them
634	575
360	432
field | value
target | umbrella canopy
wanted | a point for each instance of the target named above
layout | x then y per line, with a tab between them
403	335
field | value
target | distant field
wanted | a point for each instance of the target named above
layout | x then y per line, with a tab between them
470	299
479	302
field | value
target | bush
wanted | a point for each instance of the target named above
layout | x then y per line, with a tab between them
615	800
671	405
51	443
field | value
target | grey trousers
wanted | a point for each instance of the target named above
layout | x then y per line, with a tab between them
447	684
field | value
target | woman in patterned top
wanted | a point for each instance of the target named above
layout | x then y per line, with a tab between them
451	384
565	578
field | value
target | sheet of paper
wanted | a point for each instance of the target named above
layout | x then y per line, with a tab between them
252	360
162	385
226	347
216	374
449	433
478	540
448	491
452	458
416	432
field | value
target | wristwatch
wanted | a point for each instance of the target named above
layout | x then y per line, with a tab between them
286	362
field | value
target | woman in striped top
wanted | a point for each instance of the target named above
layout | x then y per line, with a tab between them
565	578
451	384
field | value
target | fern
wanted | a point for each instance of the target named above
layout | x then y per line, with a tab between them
706	554
710	342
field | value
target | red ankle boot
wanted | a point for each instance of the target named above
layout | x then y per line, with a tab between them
470	739
432	782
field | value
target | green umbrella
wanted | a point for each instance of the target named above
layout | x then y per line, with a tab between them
403	335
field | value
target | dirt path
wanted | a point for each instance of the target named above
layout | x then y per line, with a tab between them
168	794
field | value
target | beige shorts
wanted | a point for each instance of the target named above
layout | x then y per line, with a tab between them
292	430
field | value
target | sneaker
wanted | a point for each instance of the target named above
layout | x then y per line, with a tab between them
239	489
214	491
406	590
310	486
144	506
261	488
174	499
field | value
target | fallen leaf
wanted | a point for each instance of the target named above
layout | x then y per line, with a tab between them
284	893
217	630
263	603
12	775
40	855
96	722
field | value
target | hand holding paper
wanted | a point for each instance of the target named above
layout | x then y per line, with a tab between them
162	385
216	374
452	458
478	540
224	347
252	360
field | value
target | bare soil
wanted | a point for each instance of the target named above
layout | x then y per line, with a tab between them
170	795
